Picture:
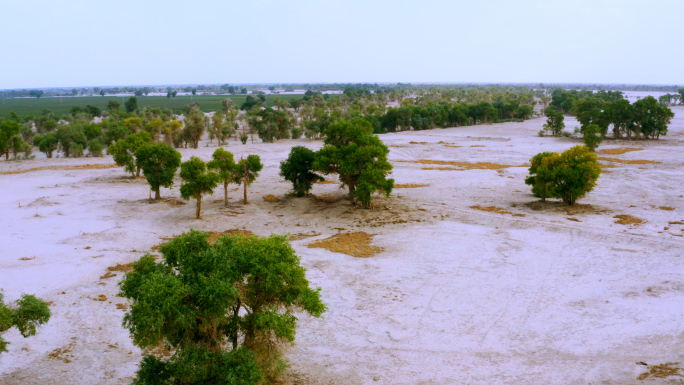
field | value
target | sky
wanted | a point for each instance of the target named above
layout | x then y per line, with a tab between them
81	43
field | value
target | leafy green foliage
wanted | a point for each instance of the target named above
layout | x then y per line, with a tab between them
651	119
28	313
159	163
124	151
554	121
568	176
197	181
591	136
297	168
540	175
47	143
223	308
358	157
8	129
224	165
246	172
131	104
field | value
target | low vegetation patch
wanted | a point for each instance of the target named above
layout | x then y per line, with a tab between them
463	165
300	236
666	208
491	209
626	161
618	151
357	244
213	235
76	167
271	198
662	371
625	219
411	185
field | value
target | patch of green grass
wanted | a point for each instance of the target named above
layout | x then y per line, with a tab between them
61	106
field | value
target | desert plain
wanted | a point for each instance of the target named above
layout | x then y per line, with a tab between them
461	276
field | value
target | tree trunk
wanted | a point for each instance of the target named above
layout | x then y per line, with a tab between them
245	183
543	192
157	196
137	171
199	205
225	193
234	337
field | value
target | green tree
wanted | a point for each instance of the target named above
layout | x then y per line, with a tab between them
246	172
591	136
222	308
47	143
358	157
28	313
70	137
620	114
650	118
131	104
197	181
113	105
159	163
574	174
297	168
540	174
554	121
194	129
224	164
681	95
124	151
8	129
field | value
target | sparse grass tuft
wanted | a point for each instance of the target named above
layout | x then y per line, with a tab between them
491	209
625	219
625	161
271	198
618	151
410	185
662	371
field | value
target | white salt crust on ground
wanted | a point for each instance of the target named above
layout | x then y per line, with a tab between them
459	295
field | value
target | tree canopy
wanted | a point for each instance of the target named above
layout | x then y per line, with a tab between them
298	169
359	157
26	315
222	308
159	163
197	181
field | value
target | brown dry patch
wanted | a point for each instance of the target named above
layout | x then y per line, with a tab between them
666	208
122	306
327	198
300	236
491	209
662	371
410	185
577	208
608	166
618	151
452	146
463	165
477	145
27	258
440	168
355	244
418	143
78	167
63	354
398	146
326	182
676	223
625	161
120	267
625	219
214	236
518	215
101	298
573	219
271	198
108	274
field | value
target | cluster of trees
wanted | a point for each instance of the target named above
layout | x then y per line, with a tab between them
568	176
646	118
26	315
224	309
351	151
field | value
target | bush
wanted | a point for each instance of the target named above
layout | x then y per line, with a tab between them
568	176
298	169
296	133
26	315
566	134
95	147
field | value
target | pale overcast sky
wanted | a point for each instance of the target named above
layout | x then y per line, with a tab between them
146	42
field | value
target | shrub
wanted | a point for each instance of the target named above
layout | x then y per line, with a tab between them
298	170
26	315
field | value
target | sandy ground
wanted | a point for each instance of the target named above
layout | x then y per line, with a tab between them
538	294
